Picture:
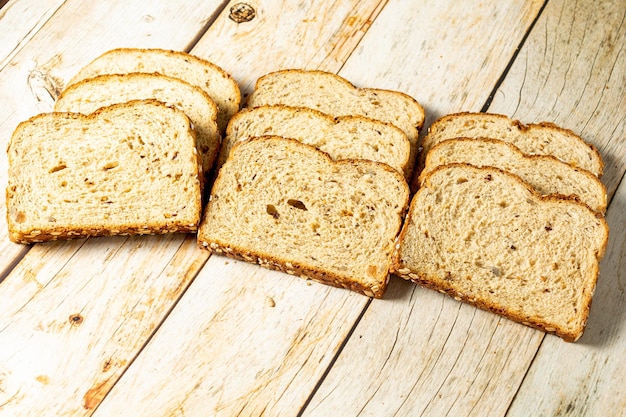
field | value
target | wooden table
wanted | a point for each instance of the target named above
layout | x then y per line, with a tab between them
153	326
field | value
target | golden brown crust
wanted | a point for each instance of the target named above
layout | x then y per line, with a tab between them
513	122
348	84
293	268
516	150
65	233
182	55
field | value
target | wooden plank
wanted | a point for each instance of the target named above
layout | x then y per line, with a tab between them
76	313
318	35
572	71
34	76
243	341
427	353
20	20
446	56
453	328
62	350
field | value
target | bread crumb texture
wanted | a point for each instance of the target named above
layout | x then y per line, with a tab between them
127	169
485	237
289	206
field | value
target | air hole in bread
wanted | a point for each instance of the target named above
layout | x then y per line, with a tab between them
297	204
110	165
57	168
271	210
461	180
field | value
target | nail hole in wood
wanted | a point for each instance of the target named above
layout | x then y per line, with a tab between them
76	320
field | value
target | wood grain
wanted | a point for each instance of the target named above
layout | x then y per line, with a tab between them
433	355
310	35
246	341
383	322
63	349
76	313
20	21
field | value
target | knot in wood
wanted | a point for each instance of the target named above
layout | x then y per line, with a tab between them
242	12
76	320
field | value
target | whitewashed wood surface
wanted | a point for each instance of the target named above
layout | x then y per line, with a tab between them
153	326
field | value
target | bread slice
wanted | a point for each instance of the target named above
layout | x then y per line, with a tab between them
346	137
485	237
130	168
545	173
334	95
216	82
533	139
290	207
89	95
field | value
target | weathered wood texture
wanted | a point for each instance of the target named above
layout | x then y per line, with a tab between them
86	316
229	338
573	71
76	313
20	21
373	370
245	342
311	35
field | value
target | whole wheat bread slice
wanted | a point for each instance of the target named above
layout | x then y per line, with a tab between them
130	168
336	96
89	95
545	173
533	139
288	206
485	237
216	82
346	137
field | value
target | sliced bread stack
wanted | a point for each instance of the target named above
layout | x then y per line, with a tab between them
204	91
212	79
314	179
338	98
507	217
114	157
344	137
130	168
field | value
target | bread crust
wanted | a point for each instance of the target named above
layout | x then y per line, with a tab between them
514	149
400	269
35	234
327	119
347	83
274	262
230	104
426	145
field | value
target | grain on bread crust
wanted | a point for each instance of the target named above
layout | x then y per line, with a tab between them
532	139
487	238
345	137
104	90
334	95
545	173
130	168
216	82
286	205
